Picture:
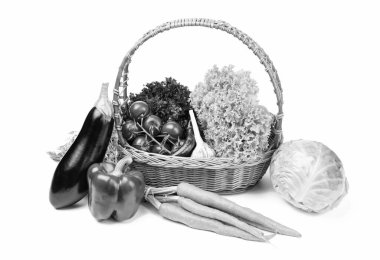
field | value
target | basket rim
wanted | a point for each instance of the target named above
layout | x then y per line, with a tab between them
215	163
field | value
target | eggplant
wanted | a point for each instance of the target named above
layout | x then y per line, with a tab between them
69	183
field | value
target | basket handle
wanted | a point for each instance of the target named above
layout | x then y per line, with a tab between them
120	89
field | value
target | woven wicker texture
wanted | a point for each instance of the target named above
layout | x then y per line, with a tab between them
214	174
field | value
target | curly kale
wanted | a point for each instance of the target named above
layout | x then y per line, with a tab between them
167	99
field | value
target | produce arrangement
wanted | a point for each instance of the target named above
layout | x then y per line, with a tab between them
205	210
157	119
177	149
146	132
307	174
167	99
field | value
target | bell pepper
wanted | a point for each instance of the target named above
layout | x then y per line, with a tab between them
114	191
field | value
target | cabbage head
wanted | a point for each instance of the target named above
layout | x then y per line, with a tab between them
308	175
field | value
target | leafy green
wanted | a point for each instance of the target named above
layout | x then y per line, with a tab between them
167	99
233	122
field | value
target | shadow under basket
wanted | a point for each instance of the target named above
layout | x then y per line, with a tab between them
222	175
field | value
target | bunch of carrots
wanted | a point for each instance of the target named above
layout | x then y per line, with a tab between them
209	211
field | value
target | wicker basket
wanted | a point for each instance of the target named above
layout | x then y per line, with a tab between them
220	175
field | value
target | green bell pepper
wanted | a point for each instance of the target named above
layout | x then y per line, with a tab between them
114	191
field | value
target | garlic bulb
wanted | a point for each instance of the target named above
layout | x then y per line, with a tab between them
202	149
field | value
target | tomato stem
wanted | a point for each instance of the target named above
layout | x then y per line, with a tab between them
152	138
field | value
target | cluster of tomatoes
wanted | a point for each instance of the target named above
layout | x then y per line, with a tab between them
146	131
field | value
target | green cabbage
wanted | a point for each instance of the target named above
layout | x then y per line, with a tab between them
308	175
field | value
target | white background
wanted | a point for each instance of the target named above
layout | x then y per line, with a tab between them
54	55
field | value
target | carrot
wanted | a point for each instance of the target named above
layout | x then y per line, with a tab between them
218	202
212	213
178	214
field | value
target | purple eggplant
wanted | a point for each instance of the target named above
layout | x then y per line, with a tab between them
69	184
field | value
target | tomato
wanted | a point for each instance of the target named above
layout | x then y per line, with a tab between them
142	143
173	129
158	149
152	124
139	110
129	130
177	145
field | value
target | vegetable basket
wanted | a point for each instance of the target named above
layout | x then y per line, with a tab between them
222	175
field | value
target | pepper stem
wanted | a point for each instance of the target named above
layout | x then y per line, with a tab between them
120	165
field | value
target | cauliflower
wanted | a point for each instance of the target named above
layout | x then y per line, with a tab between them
233	122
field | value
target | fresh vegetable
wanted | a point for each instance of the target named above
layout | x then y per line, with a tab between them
173	129
216	201
309	175
233	122
202	149
130	130
139	110
186	148
212	213
177	145
167	99
114	192
178	214
141	143
160	148
145	132
69	183
146	141
153	125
